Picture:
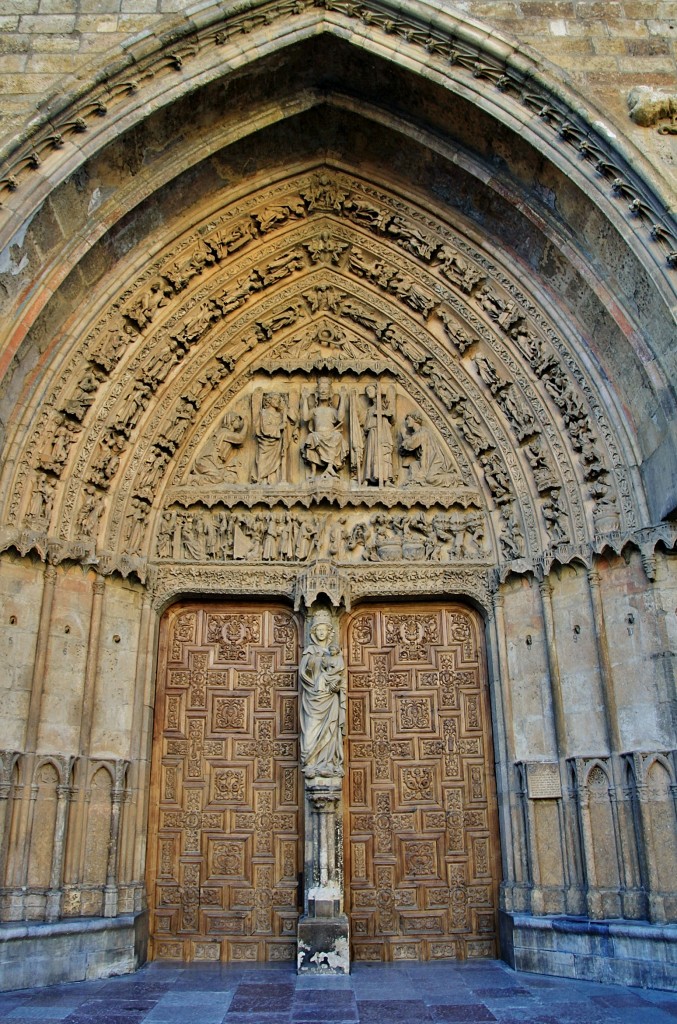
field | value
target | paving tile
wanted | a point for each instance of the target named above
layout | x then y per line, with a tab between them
669	1009
257	1018
512	1016
319	1014
393	1011
44	1010
372	994
334	982
461	1012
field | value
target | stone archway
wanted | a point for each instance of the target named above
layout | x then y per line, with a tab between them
308	342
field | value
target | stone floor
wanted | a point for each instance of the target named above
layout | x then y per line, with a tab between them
373	994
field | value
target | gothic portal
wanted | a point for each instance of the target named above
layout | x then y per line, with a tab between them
337	506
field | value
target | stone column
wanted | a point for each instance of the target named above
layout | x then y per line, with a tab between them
35	706
134	810
573	893
110	897
92	665
323	940
63	796
508	798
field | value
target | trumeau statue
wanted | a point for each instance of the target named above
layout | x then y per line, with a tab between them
323	702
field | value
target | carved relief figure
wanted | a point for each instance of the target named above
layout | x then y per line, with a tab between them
165	536
90	512
192	538
42	498
496	479
510	539
423	458
83	396
322	710
219	463
136	525
273	425
555	516
378	435
55	452
107	461
325	447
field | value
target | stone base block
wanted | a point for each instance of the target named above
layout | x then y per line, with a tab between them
79	949
616	952
323	946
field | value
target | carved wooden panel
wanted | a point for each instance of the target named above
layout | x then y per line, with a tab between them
224	849
422	849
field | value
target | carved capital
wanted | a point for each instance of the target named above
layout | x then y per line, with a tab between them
324	794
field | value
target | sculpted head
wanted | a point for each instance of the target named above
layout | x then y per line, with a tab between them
324	389
322	628
272	400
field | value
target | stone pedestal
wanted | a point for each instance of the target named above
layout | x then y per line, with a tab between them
323	939
323	945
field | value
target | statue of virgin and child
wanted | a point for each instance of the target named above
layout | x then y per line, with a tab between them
323	701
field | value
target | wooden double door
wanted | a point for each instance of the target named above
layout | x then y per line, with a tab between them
226	828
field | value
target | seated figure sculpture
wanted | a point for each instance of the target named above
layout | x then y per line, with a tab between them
325	447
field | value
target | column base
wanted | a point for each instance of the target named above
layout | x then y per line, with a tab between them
323	945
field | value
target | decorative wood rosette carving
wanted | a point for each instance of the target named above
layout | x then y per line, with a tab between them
320	371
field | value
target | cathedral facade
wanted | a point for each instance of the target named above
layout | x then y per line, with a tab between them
339	485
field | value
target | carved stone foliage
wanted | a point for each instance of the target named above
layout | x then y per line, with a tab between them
225	847
330	372
422	838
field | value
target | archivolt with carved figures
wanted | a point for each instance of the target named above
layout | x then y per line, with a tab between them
422	832
225	814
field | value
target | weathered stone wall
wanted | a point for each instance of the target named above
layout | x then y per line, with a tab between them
605	49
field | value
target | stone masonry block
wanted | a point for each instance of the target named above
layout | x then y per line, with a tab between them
596	968
652	47
545	962
138	6
58	7
554	9
49	23
20	7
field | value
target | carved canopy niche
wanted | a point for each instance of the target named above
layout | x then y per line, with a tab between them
321	369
